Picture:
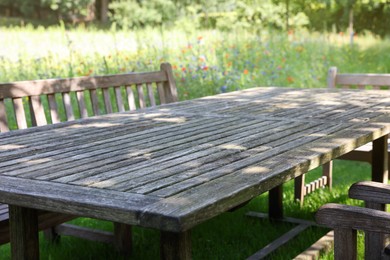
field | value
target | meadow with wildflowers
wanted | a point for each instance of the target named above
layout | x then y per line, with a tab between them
204	63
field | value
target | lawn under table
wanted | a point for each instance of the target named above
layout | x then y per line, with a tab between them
175	166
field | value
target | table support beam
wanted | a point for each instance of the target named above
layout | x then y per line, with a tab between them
175	246
275	202
24	233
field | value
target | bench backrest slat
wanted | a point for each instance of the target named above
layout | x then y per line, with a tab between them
376	81
83	96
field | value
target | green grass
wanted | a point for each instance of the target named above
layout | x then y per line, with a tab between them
205	63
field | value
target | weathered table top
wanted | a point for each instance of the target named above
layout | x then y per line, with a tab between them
174	166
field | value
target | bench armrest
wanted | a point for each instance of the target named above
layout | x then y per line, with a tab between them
370	191
351	217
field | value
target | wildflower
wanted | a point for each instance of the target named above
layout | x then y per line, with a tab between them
223	89
279	67
245	72
184	69
189	46
229	64
290	79
174	67
205	68
202	58
227	55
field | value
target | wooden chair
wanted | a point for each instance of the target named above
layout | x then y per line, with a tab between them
346	220
40	102
363	153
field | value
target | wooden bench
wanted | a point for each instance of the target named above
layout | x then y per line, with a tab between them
41	102
363	153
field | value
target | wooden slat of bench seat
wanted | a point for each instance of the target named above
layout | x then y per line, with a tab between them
50	86
53	141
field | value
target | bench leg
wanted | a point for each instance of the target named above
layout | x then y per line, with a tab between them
327	171
275	202
24	233
175	246
123	238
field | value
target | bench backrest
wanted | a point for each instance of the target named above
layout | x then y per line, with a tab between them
376	81
41	101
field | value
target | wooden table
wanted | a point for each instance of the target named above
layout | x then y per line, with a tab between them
178	165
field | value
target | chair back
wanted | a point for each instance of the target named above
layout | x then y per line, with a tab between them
41	102
361	81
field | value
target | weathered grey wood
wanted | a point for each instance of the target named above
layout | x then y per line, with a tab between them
55	116
175	245
371	192
42	87
345	244
68	106
160	90
169	85
175	166
95	101
152	100
24	233
119	99
275	202
39	112
123	238
130	98
141	96
324	244
81	103
19	113
107	101
268	249
3	117
85	233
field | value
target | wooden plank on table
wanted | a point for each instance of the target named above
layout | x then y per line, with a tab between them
106	154
50	86
97	203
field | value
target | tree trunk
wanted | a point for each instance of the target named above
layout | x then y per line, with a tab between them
104	11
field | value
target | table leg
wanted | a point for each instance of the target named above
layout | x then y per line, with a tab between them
123	238
375	242
24	233
275	202
175	246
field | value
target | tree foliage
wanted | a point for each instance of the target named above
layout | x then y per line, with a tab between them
371	15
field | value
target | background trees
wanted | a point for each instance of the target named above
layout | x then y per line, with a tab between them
320	15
